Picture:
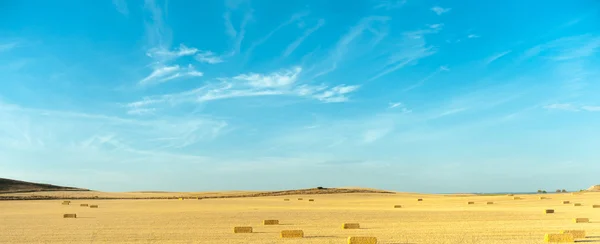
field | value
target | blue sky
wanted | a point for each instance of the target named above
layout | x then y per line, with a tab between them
423	96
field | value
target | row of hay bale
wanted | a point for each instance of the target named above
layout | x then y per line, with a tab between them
300	233
72	215
299	199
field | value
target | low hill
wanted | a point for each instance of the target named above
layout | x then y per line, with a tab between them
15	186
594	188
74	194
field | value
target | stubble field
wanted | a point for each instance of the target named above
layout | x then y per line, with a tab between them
437	219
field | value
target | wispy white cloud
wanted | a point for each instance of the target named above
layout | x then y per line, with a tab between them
572	107
412	48
281	83
229	28
298	41
496	57
389	4
158	33
276	79
422	81
294	18
439	10
162	54
341	47
591	108
472	36
399	106
566	48
336	94
121	6
208	57
4	47
162	74
562	106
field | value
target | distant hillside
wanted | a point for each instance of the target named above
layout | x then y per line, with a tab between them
594	188
13	186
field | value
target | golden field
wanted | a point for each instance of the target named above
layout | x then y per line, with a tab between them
436	219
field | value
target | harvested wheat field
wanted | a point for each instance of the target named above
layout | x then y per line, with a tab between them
439	219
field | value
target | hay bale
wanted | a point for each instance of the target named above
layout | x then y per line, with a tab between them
83	205
542	198
93	206
489	203
566	202
270	222
470	203
420	200
300	199
286	199
242	229
69	216
577	234
351	226
311	200
292	234
581	220
397	206
66	203
549	211
181	199
559	238
517	198
577	204
362	240
595	206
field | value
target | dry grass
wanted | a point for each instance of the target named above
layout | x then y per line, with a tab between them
440	219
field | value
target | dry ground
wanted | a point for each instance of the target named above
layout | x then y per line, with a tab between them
438	219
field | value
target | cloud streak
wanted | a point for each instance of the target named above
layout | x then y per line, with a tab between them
341	47
121	6
161	74
496	57
280	83
5	47
439	10
412	48
290	49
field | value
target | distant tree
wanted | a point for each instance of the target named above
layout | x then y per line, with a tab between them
539	191
563	190
320	188
544	191
558	190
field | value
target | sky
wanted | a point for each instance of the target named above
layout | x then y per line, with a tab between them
407	95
